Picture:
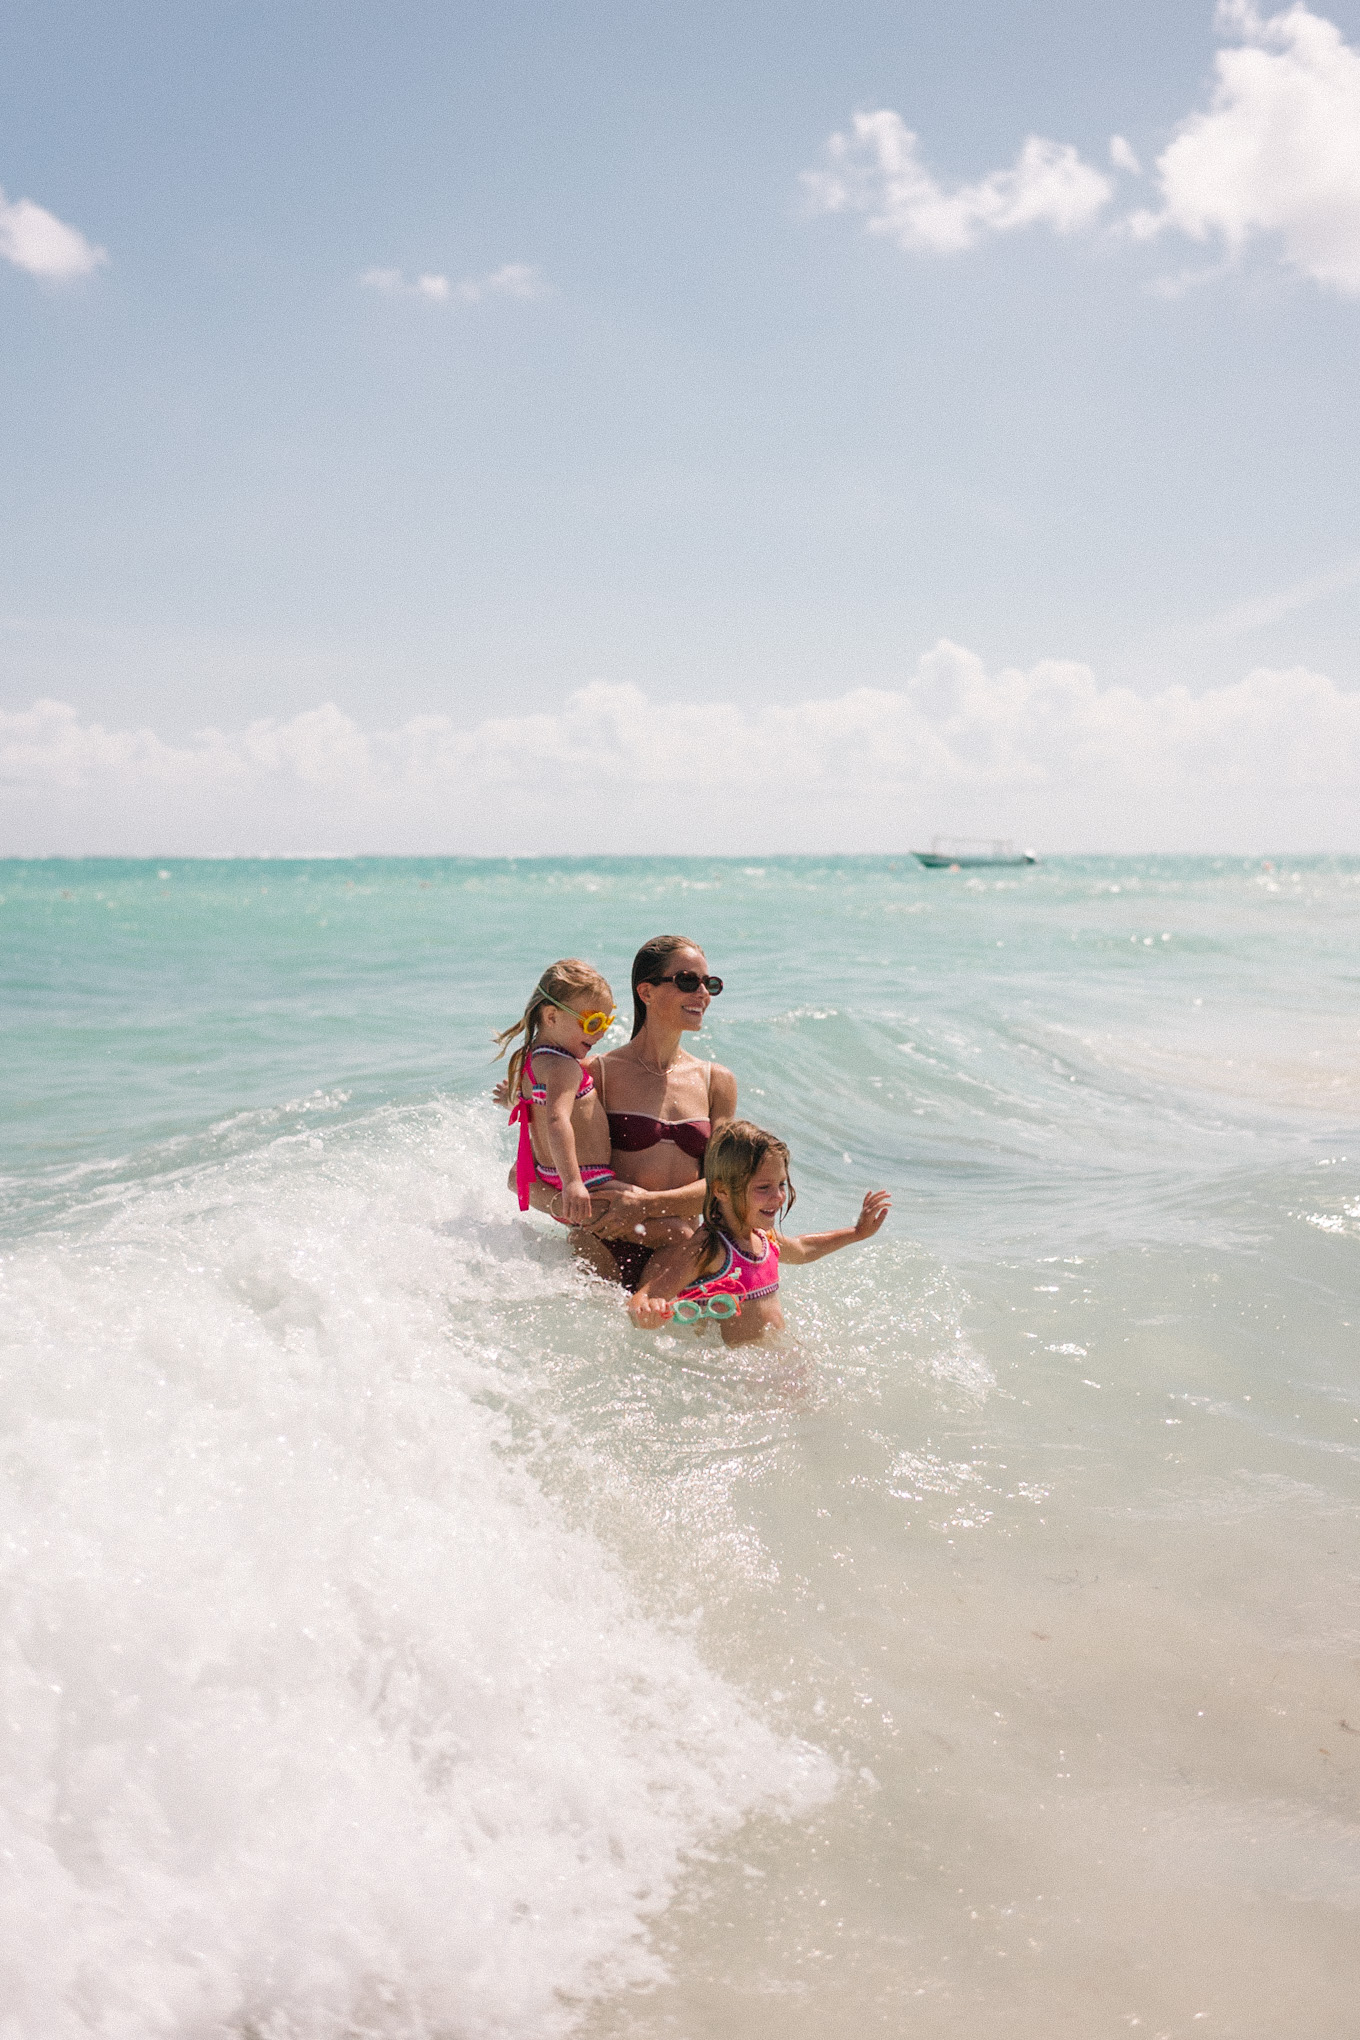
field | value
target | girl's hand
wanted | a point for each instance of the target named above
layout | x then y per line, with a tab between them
575	1201
620	1209
873	1211
649	1313
501	1095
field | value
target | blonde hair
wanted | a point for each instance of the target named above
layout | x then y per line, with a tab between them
564	980
732	1157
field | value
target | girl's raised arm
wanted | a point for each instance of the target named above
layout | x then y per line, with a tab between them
813	1246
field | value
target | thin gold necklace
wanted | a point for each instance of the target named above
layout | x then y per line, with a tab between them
660	1069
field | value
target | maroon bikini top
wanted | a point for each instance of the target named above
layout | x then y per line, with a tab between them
632	1131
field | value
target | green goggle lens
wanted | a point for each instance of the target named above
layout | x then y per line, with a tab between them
688	1308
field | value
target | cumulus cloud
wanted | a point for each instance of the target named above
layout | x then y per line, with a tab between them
876	170
35	240
1043	753
1277	152
512	279
1274	156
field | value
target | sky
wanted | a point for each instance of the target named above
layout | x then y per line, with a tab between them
758	427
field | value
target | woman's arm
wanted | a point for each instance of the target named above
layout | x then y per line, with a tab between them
813	1246
629	1205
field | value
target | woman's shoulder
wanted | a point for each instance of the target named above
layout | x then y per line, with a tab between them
722	1093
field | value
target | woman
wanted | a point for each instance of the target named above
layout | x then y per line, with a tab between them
662	1104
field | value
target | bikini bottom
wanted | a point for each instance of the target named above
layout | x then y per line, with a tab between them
630	1258
593	1174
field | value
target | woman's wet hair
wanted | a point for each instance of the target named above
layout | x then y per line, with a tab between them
733	1156
649	966
564	980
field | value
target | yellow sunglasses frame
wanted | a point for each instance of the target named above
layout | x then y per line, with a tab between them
589	1028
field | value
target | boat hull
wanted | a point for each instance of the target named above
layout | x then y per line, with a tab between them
937	861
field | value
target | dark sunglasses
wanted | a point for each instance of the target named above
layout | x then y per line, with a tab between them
690	981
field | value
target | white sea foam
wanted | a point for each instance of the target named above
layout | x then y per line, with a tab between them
321	1719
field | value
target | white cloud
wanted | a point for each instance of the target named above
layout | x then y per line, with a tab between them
1276	153
1044	754
876	170
1264	610
1278	150
393	284
513	280
35	240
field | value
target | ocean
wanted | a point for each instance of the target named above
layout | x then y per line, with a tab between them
396	1644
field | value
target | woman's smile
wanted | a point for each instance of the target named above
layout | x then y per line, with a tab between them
690	1007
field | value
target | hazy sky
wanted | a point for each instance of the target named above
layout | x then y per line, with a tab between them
793	426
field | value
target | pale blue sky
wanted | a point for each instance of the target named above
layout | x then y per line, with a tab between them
738	448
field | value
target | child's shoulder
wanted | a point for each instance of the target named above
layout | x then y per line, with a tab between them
546	1048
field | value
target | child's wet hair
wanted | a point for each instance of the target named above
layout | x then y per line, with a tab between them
562	981
733	1156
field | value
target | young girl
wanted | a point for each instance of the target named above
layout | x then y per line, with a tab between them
730	1269
554	1098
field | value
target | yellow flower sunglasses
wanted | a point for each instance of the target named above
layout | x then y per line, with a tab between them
593	1025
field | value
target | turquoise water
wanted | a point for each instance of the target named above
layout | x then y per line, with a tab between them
401	1645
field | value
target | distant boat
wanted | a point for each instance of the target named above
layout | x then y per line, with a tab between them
966	853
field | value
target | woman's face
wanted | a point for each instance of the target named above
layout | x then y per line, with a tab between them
671	1006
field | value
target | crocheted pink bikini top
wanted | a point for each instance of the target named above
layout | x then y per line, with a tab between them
742	1274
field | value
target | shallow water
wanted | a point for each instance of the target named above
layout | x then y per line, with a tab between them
397	1644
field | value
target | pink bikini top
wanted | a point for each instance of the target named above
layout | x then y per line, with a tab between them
539	1092
526	1167
741	1274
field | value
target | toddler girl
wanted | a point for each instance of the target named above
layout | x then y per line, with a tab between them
554	1098
730	1269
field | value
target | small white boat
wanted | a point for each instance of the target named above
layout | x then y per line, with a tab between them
966	853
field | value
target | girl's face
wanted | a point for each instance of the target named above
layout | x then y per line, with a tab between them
563	1027
766	1195
671	1006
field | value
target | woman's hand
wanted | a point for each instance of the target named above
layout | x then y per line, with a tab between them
624	1209
873	1211
649	1313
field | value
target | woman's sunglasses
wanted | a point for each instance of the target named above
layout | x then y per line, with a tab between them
689	981
593	1025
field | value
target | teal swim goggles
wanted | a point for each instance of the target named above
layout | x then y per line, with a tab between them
688	1308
